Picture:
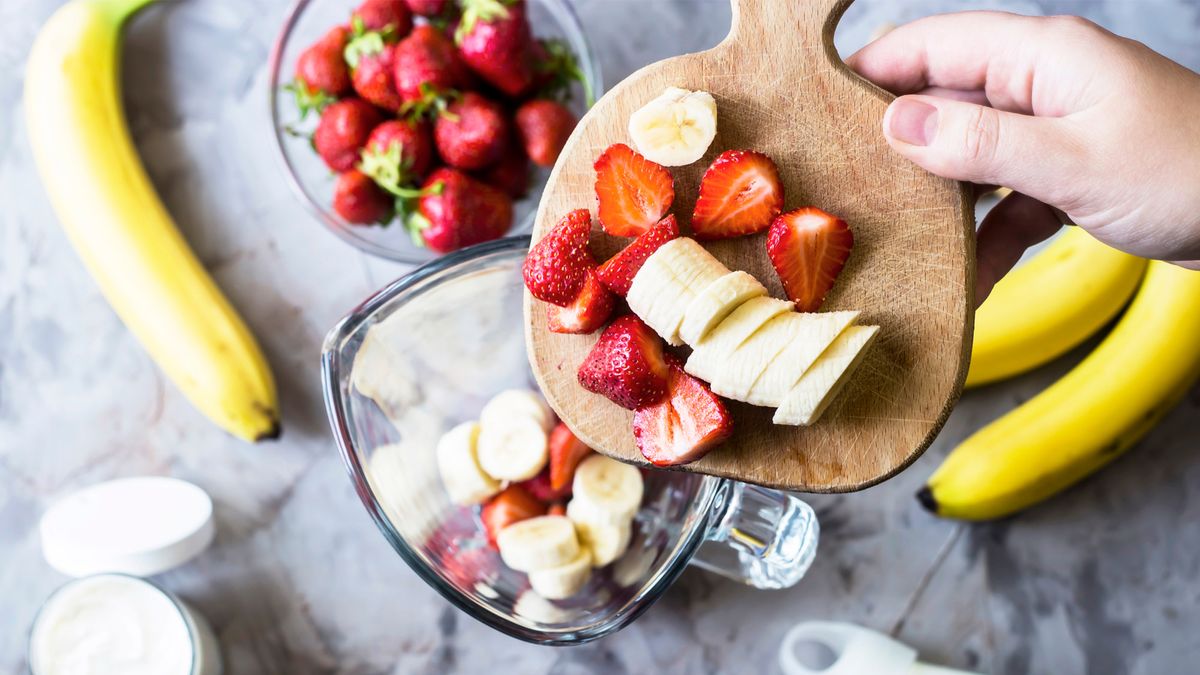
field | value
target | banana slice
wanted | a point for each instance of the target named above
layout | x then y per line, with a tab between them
817	332
710	355
676	128
754	356
458	464
716	302
817	388
667	283
540	543
605	541
512	449
607	489
513	403
559	583
534	608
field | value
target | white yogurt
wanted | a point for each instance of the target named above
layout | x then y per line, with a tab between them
112	624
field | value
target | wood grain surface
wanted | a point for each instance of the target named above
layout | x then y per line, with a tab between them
782	89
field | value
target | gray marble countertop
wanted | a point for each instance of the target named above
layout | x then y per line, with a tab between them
1104	579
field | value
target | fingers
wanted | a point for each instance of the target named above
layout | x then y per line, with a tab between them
978	144
1012	226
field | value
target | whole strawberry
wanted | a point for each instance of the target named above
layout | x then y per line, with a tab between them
511	174
321	73
343	131
359	200
427	68
544	127
394	16
495	40
398	154
472	133
456	210
372	76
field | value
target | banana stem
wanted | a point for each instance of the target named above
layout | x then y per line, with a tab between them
120	10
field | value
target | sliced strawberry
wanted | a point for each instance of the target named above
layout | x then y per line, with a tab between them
634	193
739	194
627	364
557	266
539	486
682	428
808	248
587	313
618	271
512	505
566	452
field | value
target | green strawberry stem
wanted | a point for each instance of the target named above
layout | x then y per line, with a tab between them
474	11
564	69
416	223
308	100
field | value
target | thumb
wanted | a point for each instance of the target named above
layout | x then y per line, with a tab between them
978	144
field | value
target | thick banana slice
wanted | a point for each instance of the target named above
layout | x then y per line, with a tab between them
512	449
710	355
755	355
540	543
676	128
559	583
667	283
605	541
817	388
458	464
716	302
515	403
818	332
606	486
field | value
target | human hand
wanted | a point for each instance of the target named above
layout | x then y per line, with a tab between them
1067	114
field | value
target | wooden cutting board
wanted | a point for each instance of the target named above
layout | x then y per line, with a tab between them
782	89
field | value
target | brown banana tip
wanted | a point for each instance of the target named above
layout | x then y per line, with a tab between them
270	434
925	496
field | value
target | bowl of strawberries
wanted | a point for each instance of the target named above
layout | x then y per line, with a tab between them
413	128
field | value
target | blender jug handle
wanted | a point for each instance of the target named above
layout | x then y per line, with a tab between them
761	537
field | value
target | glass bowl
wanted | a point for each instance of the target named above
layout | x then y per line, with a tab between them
312	182
433	347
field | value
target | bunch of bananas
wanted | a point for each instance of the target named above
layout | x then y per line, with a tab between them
109	209
1102	407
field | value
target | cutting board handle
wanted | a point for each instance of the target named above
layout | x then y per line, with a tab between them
790	24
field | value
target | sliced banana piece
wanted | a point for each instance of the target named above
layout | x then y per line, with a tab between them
512	449
710	355
514	403
813	393
605	541
607	486
668	282
717	301
755	355
817	332
458	463
559	583
540	543
676	128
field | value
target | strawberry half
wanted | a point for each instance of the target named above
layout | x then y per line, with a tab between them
627	365
808	248
512	505
557	266
739	194
587	313
683	427
566	452
634	193
618	271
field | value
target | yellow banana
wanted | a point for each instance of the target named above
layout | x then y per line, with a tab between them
121	230
1090	416
1049	305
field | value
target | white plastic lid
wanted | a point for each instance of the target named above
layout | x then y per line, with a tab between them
139	526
